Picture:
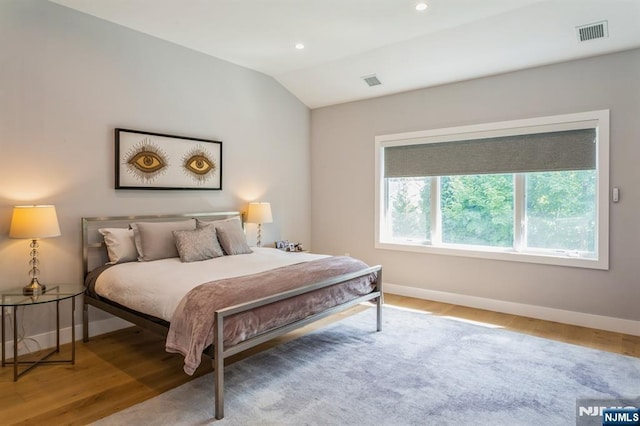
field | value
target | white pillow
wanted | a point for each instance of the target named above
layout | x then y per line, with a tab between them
120	245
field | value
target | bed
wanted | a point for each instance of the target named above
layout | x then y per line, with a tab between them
215	298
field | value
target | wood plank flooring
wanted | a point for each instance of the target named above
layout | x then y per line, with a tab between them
123	368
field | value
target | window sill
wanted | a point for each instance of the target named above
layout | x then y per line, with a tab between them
500	254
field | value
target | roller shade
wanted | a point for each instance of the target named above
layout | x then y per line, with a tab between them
552	151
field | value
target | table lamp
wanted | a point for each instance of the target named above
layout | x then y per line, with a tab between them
259	213
34	222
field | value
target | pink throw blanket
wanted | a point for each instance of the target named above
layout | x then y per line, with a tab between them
191	328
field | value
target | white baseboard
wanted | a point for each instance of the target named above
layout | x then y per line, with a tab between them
599	322
48	339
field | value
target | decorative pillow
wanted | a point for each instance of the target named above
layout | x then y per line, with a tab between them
154	240
120	245
230	234
197	244
233	240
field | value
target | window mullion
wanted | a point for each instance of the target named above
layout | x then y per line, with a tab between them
436	216
519	222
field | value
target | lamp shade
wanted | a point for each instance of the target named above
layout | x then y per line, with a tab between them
259	213
34	222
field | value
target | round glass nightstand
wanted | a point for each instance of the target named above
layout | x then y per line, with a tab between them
12	299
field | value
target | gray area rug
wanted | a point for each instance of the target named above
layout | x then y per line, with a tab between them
420	370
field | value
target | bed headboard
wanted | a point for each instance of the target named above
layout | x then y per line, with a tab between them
94	251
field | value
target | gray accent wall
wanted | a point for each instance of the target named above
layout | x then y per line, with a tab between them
342	177
68	79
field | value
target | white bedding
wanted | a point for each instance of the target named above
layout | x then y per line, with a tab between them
156	287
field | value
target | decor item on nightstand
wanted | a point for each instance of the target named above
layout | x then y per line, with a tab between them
259	213
34	222
287	246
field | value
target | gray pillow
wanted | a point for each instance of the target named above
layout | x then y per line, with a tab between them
154	240
198	244
230	234
233	241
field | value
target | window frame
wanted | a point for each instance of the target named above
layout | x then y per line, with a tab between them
591	119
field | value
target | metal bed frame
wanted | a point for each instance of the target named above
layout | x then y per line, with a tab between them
218	351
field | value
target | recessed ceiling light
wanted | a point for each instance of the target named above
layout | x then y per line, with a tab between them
299	46
421	6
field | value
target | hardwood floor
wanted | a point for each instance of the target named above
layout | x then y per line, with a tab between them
120	369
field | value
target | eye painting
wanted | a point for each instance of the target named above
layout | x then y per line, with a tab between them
146	161
199	165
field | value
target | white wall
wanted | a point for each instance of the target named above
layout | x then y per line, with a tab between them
342	177
68	79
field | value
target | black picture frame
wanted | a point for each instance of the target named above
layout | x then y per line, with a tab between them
148	160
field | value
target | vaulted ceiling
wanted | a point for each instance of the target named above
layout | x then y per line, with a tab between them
345	40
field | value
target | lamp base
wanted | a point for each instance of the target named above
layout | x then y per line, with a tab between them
258	242
34	288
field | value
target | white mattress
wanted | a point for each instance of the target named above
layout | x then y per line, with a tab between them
155	288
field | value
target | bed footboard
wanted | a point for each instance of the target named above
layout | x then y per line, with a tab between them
220	352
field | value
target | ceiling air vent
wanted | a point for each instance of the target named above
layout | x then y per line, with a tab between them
371	80
593	31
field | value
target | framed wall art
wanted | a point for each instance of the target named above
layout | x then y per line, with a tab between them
147	160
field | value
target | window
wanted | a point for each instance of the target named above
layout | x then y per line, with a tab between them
529	190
